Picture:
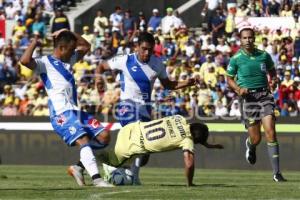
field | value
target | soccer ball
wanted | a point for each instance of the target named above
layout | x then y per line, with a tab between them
121	176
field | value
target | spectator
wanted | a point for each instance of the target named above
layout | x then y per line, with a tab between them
10	11
10	110
235	111
210	10
60	21
158	47
287	81
221	110
100	22
141	22
286	11
242	11
168	22
297	45
39	27
155	19
115	19
273	8
218	25
128	23
88	37
123	49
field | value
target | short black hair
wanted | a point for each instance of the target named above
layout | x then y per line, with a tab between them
247	29
146	37
64	37
199	132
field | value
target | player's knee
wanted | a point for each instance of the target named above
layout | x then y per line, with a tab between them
256	140
270	135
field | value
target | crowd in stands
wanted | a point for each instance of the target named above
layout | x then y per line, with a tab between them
186	52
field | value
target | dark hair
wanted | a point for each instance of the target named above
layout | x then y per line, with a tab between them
146	37
199	132
64	37
247	29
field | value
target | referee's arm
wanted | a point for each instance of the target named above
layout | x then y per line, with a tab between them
232	84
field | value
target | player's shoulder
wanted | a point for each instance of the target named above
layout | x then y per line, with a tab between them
263	53
41	58
155	62
119	57
237	55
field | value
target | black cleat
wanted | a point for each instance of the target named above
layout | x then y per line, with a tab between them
278	178
250	154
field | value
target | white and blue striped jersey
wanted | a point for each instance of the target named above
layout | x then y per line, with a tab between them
59	83
136	78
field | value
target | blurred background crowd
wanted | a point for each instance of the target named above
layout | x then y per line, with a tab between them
186	52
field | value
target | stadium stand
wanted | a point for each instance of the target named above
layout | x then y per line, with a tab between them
186	52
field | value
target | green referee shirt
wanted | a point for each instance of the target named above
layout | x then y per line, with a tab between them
251	70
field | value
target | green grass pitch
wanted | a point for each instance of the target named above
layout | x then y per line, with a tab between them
51	182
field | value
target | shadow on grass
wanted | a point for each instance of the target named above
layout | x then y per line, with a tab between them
41	189
201	185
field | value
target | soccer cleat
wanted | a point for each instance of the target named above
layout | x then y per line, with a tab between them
278	178
107	171
250	154
77	173
99	182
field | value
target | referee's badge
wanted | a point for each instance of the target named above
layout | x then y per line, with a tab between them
263	67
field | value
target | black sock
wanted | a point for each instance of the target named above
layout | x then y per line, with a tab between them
80	164
96	176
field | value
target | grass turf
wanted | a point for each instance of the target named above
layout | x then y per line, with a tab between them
51	182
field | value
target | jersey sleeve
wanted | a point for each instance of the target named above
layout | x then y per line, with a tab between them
187	144
117	62
40	66
163	72
269	62
232	68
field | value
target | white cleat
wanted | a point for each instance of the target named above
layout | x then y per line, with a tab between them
99	182
77	173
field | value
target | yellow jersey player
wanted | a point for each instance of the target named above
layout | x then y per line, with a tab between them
160	135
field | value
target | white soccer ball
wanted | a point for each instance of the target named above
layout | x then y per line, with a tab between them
121	176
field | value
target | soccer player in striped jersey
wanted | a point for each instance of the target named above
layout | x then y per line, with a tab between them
75	127
138	72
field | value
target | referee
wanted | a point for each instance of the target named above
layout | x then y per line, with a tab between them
247	76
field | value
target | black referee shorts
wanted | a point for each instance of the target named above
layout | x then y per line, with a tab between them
255	106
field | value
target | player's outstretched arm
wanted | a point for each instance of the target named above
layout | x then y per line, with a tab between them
103	66
175	85
189	166
26	59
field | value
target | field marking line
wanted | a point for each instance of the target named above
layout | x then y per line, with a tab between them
105	194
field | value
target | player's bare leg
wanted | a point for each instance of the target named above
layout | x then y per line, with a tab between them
251	142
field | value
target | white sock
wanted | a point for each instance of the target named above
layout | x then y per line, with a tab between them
88	160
